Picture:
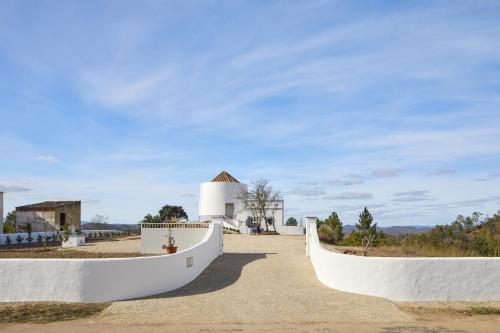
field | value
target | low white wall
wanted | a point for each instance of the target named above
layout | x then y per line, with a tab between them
24	235
34	235
406	279
290	230
103	280
185	235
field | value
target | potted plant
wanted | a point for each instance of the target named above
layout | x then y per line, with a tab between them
170	246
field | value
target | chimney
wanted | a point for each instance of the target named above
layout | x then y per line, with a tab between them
1	212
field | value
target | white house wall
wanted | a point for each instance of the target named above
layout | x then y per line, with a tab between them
1	212
214	196
105	280
406	279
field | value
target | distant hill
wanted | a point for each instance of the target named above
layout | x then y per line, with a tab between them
395	230
109	226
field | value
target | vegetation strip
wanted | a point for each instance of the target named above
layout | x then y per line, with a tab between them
48	312
470	236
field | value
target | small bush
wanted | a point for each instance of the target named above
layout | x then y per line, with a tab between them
19	239
48	312
482	310
8	241
39	238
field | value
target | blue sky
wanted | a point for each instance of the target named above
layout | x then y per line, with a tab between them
130	105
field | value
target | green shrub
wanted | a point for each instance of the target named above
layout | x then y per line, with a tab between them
19	239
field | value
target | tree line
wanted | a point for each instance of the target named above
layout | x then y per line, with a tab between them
475	235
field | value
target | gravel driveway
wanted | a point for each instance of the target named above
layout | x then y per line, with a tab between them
258	279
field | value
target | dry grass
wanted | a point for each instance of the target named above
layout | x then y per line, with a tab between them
399	251
482	310
45	312
449	311
23	251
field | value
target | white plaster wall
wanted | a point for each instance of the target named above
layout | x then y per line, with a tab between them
104	280
290	230
214	196
1	212
153	238
13	237
406	279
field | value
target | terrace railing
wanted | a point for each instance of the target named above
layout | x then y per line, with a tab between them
175	225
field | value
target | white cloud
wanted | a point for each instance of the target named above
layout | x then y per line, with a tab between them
345	182
350	196
413	196
387	172
442	172
113	89
47	158
307	192
14	188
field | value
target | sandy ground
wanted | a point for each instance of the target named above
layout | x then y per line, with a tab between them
264	284
120	245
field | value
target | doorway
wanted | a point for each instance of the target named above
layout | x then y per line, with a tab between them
229	210
62	220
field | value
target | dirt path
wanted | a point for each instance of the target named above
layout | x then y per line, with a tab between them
265	284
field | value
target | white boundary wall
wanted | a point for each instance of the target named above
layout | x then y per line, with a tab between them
34	235
154	235
296	230
405	279
103	280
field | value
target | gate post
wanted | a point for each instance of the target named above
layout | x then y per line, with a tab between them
218	222
310	224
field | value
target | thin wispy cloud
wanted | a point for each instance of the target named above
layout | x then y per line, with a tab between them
47	158
307	192
413	196
350	196
345	182
442	172
14	188
387	172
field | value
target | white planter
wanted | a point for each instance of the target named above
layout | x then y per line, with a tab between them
76	240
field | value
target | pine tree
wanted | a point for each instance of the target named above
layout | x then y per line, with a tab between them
333	221
366	229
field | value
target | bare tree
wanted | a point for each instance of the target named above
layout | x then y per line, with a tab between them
250	203
259	200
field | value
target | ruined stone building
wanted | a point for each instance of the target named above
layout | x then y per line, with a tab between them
49	215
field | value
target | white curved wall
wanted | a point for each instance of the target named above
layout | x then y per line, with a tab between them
34	235
214	196
103	280
153	238
406	279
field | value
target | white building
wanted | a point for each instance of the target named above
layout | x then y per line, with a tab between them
1	212
220	197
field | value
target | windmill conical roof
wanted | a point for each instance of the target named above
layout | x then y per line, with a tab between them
225	177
